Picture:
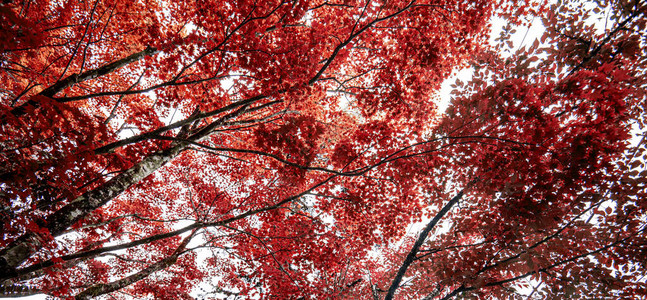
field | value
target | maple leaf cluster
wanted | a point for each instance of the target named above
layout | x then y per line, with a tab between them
285	149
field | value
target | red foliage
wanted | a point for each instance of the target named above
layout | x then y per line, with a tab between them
283	149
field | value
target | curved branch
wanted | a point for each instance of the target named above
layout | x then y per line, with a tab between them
151	134
356	172
416	247
87	75
335	52
105	288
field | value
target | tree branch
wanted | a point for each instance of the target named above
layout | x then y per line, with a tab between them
87	75
105	288
421	239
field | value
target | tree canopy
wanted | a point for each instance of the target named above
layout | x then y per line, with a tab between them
283	149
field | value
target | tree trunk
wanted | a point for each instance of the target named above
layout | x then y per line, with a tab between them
21	249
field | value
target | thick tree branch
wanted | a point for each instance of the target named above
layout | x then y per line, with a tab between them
87	75
151	134
105	288
416	247
16	291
